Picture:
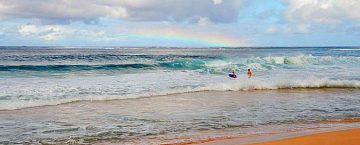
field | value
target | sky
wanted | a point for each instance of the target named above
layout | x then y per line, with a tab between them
180	23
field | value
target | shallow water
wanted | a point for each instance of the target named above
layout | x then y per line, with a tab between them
179	117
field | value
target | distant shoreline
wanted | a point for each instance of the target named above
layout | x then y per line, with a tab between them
179	47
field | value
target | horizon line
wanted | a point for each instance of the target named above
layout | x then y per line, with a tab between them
119	46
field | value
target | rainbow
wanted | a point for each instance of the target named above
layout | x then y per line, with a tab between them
211	39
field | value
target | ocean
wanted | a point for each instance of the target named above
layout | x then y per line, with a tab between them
128	94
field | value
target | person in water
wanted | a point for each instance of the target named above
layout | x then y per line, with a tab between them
249	73
232	75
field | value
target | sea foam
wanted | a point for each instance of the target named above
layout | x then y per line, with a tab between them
241	84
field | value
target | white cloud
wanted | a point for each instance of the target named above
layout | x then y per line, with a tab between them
112	37
118	12
66	11
203	21
322	11
216	2
296	28
48	33
303	28
27	30
55	32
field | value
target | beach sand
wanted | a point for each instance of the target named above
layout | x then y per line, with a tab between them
338	137
348	137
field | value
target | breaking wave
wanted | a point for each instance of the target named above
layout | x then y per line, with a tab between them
241	84
212	65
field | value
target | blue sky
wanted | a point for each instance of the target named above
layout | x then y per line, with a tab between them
182	23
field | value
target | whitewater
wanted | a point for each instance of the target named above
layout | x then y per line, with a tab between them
41	76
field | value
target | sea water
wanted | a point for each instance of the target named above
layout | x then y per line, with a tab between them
43	76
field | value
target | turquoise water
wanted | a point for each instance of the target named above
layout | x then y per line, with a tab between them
36	76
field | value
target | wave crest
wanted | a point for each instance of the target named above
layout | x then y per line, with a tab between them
245	84
241	84
212	65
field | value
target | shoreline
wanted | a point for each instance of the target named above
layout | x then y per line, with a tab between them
336	126
349	137
332	136
112	99
171	119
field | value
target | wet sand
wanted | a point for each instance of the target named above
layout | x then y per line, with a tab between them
312	136
348	137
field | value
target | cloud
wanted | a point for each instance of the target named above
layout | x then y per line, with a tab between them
159	34
55	32
322	11
203	21
296	28
88	11
216	2
59	11
48	33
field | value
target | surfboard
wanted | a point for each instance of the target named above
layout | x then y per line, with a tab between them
232	76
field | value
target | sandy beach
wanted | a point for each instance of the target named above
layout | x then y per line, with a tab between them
348	137
339	137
